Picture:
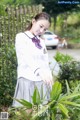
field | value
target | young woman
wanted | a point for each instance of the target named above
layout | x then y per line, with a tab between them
33	66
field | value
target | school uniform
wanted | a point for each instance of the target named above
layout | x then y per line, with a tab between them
31	60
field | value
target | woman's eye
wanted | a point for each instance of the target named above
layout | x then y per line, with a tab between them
45	29
41	26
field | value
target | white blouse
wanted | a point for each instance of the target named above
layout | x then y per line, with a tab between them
30	58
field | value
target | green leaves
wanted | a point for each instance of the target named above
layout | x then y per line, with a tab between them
68	97
71	103
7	73
63	103
69	70
61	58
36	97
56	91
24	103
63	109
61	106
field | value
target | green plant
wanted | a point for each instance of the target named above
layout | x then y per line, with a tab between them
69	70
60	106
61	58
7	74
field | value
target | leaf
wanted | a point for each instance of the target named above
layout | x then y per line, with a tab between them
72	95
53	117
36	96
56	90
67	86
71	103
24	103
77	88
63	109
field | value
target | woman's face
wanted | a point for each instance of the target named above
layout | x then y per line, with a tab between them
39	27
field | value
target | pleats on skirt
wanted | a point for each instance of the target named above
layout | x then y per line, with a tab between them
25	89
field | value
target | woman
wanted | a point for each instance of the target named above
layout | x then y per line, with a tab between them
33	66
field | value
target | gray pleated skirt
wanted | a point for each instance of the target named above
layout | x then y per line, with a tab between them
25	89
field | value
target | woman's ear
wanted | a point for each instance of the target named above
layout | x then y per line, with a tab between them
33	21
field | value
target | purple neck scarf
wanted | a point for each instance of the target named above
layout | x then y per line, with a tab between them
36	41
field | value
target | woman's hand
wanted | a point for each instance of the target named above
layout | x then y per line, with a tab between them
46	76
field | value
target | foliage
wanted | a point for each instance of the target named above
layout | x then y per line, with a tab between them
74	41
51	6
61	58
73	19
59	107
69	70
7	74
68	25
15	2
54	7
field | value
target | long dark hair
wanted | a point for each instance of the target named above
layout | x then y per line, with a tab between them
42	15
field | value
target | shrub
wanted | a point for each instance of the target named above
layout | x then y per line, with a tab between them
69	70
61	58
8	74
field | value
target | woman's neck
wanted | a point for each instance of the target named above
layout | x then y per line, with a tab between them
32	33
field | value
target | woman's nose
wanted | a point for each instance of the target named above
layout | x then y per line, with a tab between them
42	30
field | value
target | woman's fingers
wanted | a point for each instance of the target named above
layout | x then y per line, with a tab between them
48	82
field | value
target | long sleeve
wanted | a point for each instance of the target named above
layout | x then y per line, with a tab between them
26	65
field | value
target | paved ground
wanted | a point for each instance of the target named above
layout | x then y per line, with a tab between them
75	53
